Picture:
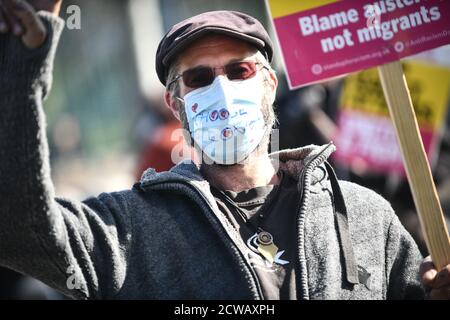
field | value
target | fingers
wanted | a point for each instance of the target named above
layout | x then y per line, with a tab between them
440	294
428	272
443	278
14	25
24	22
438	282
26	15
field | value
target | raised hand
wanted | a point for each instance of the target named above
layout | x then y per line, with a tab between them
20	18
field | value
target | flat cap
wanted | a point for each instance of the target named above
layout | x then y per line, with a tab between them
231	23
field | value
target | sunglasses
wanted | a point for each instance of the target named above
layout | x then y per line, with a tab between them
203	76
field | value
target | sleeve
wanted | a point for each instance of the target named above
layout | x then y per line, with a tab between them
403	260
77	248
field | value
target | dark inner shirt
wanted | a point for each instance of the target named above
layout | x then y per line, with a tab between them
277	204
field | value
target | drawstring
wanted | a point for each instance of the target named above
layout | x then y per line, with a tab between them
340	213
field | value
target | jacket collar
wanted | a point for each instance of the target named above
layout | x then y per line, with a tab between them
291	161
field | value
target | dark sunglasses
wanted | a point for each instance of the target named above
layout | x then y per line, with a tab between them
203	76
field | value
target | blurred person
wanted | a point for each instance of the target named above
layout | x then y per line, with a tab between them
157	141
157	150
240	225
307	115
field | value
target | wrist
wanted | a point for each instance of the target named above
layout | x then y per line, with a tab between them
51	6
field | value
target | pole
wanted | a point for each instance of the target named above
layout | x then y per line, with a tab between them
416	164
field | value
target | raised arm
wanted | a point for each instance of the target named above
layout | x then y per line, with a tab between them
77	248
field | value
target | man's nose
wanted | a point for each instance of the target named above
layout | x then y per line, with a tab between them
219	71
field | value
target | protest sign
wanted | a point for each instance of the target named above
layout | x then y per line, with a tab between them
322	39
366	135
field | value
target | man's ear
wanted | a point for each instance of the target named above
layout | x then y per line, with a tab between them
273	82
171	104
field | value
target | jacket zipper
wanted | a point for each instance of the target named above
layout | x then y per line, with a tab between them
300	226
223	232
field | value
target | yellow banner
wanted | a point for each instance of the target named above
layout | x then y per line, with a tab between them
281	8
429	86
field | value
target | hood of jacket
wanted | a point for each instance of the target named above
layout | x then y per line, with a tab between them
291	161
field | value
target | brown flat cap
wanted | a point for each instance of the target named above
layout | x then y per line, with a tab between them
231	23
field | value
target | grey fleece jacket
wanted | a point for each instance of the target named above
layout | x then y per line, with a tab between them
166	238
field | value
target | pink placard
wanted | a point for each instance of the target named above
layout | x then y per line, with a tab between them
316	47
369	141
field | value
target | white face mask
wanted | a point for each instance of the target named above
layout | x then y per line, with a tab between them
225	118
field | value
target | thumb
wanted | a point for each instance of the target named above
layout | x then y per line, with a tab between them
35	31
428	272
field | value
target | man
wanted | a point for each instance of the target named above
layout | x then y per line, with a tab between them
238	226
